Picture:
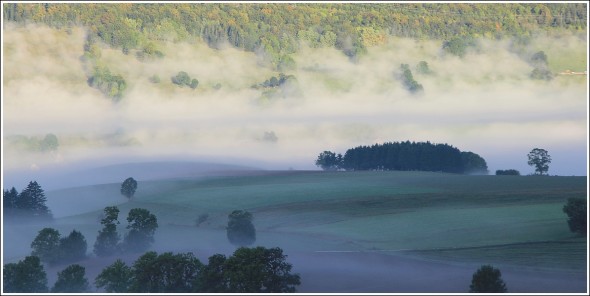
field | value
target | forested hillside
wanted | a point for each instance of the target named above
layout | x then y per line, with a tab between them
306	77
277	29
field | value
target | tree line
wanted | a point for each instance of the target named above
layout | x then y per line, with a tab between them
278	29
247	270
29	203
405	156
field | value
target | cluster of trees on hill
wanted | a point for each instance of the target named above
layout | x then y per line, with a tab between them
405	156
142	226
182	78
248	270
277	29
52	249
408	80
275	81
29	203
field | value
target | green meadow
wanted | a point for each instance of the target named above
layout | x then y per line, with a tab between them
503	219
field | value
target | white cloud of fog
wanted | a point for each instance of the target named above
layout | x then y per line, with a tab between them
484	103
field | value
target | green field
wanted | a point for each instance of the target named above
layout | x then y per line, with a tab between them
508	219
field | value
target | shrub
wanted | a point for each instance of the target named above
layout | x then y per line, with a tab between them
510	172
577	213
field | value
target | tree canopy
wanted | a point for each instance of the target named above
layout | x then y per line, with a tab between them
71	280
142	227
247	270
279	29
45	246
128	187
115	278
540	159
487	279
26	276
107	241
51	248
259	270
577	213
240	230
30	203
406	156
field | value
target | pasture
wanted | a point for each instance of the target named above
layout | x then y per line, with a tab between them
511	221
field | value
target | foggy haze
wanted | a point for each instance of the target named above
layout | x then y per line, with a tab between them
484	103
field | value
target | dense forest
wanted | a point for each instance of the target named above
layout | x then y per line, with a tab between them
277	30
405	156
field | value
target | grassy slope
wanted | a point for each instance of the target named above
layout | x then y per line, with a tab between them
496	218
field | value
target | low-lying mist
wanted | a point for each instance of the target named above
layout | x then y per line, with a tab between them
485	103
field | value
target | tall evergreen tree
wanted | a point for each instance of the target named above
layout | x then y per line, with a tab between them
33	199
10	199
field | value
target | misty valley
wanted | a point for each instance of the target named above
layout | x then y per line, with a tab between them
294	147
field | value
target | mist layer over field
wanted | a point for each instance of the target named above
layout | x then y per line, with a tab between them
362	232
483	103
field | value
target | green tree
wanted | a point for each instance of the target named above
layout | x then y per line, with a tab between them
540	159
165	273
259	270
487	279
32	199
577	213
181	79
473	164
458	45
46	245
115	278
408	79
10	201
71	280
240	230
510	172
73	247
212	277
142	227
107	241
539	59
128	187
329	161
422	68
26	276
194	83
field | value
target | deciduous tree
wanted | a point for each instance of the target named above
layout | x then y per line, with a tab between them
128	187
115	278
487	279
71	280
540	159
240	230
73	247
46	245
142	227
329	161
259	270
26	276
577	213
165	273
107	241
